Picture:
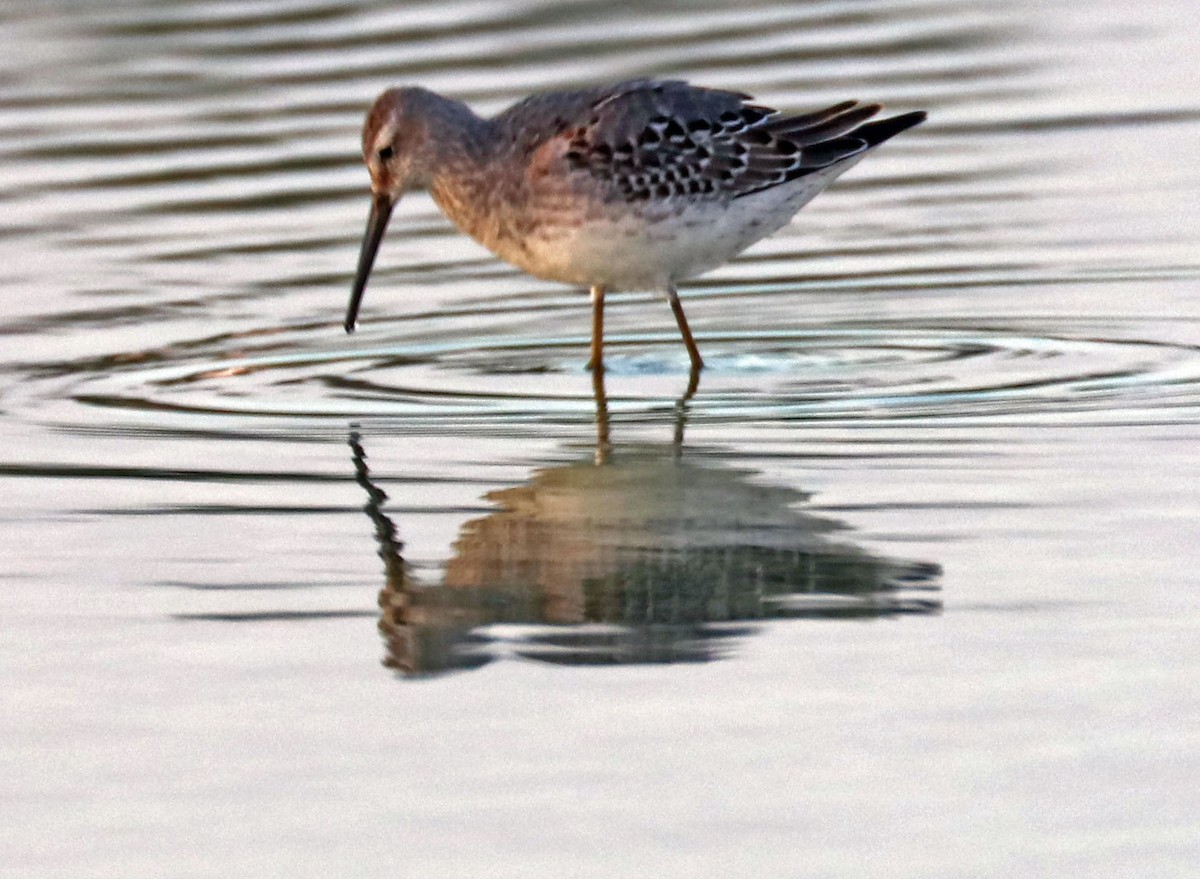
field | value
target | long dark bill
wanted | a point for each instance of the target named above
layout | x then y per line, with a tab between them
377	220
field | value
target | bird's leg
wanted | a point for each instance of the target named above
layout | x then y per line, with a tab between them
693	383
597	359
693	351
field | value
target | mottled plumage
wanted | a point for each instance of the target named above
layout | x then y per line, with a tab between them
637	185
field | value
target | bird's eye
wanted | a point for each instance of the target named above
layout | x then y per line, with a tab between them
386	154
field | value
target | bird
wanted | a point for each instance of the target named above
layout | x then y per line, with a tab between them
633	186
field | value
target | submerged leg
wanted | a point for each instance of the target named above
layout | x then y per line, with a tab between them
677	307
597	359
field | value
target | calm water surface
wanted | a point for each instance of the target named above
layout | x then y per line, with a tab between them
908	588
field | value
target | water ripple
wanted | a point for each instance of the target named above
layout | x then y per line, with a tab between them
878	373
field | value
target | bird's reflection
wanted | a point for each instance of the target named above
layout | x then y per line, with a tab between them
646	556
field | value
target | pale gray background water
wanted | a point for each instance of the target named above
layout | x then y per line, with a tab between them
977	352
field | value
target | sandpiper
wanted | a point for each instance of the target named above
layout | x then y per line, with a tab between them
637	185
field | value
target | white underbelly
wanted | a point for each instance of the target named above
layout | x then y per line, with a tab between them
644	246
674	242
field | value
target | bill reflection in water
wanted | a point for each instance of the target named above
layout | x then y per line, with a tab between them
650	556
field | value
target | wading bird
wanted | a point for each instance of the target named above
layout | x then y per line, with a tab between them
637	186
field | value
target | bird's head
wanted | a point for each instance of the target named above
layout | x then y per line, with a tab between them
394	143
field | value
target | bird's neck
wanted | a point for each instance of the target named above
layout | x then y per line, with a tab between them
454	141
461	169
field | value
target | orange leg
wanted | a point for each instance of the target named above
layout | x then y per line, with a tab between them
688	341
597	359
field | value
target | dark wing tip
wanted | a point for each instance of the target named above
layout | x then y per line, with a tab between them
814	128
875	133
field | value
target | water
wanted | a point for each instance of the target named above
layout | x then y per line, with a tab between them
906	588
